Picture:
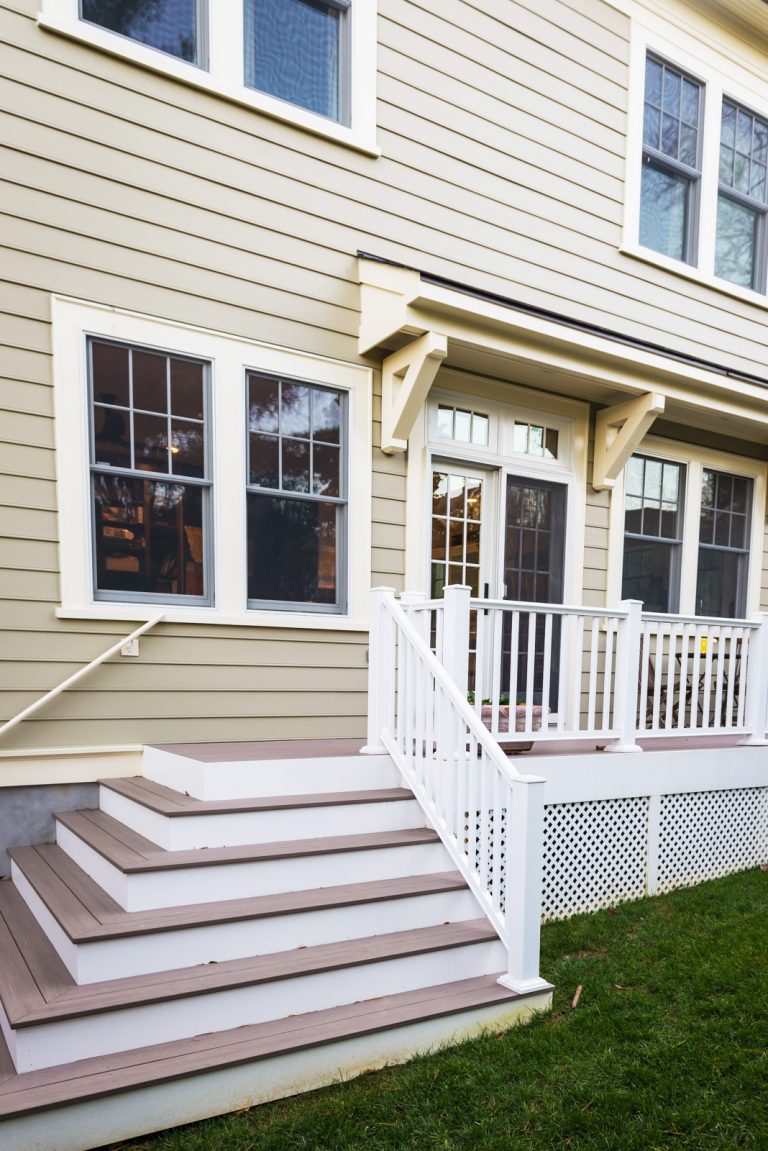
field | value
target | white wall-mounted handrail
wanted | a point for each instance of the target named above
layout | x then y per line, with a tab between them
78	675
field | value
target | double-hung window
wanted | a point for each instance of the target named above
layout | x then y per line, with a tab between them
687	533
742	200
311	62
149	474
669	195
296	493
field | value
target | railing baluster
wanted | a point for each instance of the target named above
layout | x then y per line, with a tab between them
593	665
530	669
608	674
546	671
578	659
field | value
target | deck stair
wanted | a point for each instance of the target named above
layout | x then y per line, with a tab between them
234	926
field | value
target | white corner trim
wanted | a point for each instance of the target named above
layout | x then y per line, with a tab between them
230	357
223	76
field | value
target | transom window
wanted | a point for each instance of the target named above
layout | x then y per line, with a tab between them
671	164
462	425
535	440
149	485
296	489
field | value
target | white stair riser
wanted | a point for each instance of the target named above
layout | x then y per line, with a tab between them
85	1126
142	891
109	1032
244	780
165	951
183	833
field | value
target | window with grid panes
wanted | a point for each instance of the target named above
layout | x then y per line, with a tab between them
723	559
149	474
742	199
296	494
653	532
671	161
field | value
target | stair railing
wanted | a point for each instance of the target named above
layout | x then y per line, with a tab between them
488	816
78	675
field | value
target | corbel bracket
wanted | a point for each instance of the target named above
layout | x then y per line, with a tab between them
407	376
618	432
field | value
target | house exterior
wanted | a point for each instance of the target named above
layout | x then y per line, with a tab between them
303	299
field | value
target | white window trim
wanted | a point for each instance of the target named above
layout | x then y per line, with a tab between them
502	402
694	459
224	74
723	69
230	357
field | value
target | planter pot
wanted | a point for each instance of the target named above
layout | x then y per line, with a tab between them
486	715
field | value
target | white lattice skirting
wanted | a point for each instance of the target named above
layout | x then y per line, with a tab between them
601	852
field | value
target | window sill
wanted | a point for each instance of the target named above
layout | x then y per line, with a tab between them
138	613
112	44
690	272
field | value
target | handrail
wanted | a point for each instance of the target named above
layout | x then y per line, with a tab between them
488	816
78	675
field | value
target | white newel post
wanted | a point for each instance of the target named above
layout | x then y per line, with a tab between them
523	869
756	703
381	669
456	634
627	677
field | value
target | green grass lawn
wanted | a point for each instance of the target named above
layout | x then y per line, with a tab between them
665	1049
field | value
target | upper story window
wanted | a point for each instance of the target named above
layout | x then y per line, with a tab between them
171	26
697	190
742	199
310	62
671	166
297	51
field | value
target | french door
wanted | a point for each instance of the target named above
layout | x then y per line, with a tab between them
533	571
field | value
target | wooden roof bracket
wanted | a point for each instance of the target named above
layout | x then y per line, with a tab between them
618	432
406	377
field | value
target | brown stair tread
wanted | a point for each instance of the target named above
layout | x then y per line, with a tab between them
111	1074
168	802
31	973
130	852
138	990
86	913
243	751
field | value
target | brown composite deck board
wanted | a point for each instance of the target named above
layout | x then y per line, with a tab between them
97	833
102	841
127	838
156	797
31	972
106	1075
156	802
208	978
68	911
101	907
7	1069
244	750
111	921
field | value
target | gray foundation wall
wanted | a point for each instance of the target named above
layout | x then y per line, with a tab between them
26	813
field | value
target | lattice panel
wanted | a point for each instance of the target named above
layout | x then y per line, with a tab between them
706	834
594	855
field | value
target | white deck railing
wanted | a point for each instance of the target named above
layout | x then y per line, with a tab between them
549	672
489	817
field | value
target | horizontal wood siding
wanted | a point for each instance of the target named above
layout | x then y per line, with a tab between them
502	135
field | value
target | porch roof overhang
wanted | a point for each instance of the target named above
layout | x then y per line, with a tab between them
427	320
